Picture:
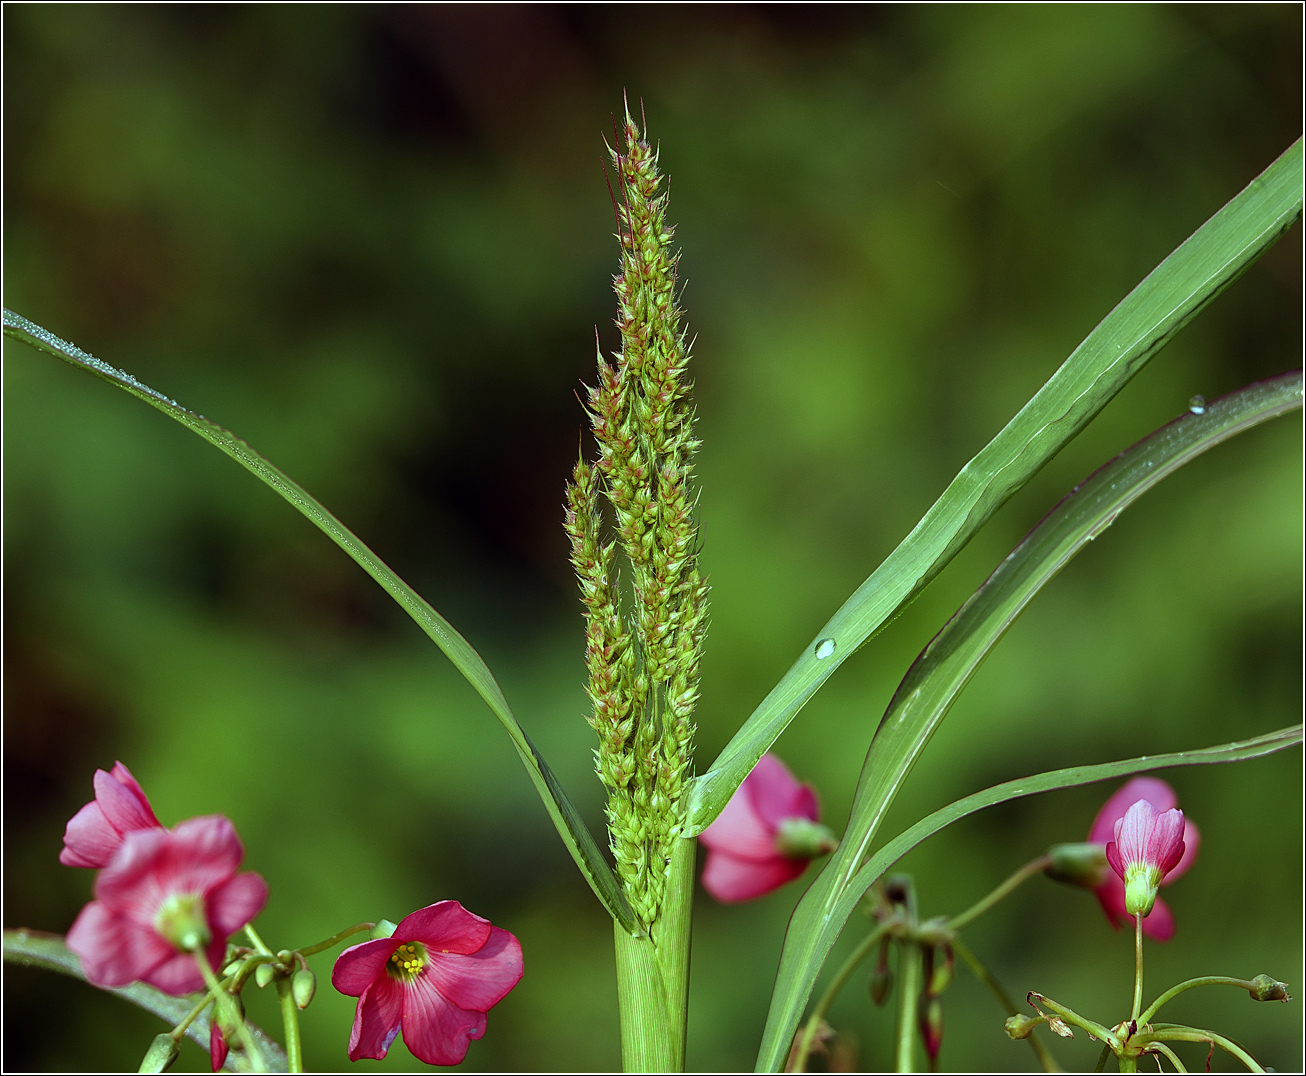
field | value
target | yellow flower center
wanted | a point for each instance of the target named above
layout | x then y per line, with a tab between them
181	921
407	961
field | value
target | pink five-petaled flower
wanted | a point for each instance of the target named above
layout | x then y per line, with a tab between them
166	894
94	833
765	836
435	978
1159	924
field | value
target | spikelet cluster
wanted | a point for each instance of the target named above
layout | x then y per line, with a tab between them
643	653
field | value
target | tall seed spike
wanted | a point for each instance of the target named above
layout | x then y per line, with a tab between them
644	665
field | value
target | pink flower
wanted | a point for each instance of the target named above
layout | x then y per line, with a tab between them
1108	830
95	832
166	894
435	978
765	836
1148	845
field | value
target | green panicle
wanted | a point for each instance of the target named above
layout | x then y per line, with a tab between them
644	659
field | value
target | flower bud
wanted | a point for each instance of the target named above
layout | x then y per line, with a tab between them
162	1053
264	974
931	1026
1021	1027
302	987
383	929
1077	864
1264	988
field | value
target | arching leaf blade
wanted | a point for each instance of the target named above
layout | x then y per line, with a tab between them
571	827
947	663
1121	345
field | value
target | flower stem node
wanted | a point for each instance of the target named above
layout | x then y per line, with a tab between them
383	929
801	838
302	987
161	1055
1265	988
1081	864
264	974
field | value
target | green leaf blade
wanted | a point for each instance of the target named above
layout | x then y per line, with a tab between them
1121	345
566	818
947	663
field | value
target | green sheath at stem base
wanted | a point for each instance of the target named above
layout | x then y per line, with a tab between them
653	976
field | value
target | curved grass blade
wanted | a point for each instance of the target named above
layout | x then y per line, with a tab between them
1121	345
37	949
944	667
575	834
781	1025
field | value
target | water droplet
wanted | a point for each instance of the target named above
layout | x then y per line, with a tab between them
824	649
1197	405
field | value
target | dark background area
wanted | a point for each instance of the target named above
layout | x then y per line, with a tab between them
375	242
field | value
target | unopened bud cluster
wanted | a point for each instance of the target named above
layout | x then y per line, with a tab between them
643	660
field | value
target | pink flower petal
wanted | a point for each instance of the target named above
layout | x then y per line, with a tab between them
1111	895
740	831
435	1029
776	795
730	879
1117	864
377	1018
123	776
130	886
204	853
445	926
360	965
124	805
477	980
89	840
1134	832
179	974
1165	845
236	902
1192	842
1159	794
114	951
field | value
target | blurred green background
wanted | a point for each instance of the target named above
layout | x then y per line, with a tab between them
375	242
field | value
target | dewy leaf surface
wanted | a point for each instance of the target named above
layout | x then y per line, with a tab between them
575	834
37	949
944	667
1121	345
